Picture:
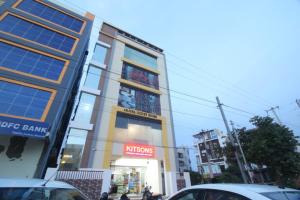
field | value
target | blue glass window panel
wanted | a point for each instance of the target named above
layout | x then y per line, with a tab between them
23	101
93	77
27	30
51	14
140	57
99	53
26	61
34	112
85	108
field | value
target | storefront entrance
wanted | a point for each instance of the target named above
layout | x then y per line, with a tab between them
132	175
128	179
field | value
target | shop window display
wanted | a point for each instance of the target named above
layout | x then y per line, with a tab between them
131	73
139	100
128	179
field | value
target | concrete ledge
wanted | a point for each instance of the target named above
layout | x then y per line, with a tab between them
103	44
79	125
91	90
97	64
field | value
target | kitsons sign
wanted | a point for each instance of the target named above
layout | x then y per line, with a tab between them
139	150
26	128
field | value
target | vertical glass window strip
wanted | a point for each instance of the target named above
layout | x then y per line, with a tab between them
19	59
51	14
99	54
74	149
22	101
93	77
36	33
85	108
140	57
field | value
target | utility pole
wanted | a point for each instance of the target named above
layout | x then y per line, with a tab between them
272	109
298	102
242	152
232	141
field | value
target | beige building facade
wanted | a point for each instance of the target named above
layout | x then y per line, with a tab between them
123	121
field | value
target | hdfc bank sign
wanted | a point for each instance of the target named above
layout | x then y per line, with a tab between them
139	150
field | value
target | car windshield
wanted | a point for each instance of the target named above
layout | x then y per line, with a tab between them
42	193
289	195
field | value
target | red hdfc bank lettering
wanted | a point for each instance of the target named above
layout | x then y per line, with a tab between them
139	150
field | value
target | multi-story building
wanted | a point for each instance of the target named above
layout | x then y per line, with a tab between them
209	157
43	47
123	120
183	158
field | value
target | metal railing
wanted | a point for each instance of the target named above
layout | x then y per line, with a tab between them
79	174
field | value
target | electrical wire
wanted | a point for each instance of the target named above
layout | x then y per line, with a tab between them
179	58
190	64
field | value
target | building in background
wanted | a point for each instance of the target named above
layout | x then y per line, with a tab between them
43	48
210	160
183	158
123	121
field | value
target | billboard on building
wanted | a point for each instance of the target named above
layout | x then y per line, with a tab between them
21	127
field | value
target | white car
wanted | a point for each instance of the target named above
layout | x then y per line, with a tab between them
236	192
38	189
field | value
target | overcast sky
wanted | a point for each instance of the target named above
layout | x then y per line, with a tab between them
245	52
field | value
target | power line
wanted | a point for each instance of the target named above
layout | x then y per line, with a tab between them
210	75
181	93
121	142
175	91
209	86
239	109
185	61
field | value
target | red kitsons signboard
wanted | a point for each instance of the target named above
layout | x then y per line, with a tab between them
139	150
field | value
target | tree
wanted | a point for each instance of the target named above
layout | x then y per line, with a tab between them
196	178
232	174
274	146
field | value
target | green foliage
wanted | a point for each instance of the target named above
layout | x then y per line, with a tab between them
230	175
272	145
196	178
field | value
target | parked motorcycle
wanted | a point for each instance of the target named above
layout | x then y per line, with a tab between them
104	196
148	195
124	196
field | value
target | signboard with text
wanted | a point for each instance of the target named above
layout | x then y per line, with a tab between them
139	150
21	127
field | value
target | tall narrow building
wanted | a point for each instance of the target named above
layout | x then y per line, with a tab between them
123	120
43	48
210	160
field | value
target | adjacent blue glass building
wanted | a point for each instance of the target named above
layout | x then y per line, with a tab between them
43	48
